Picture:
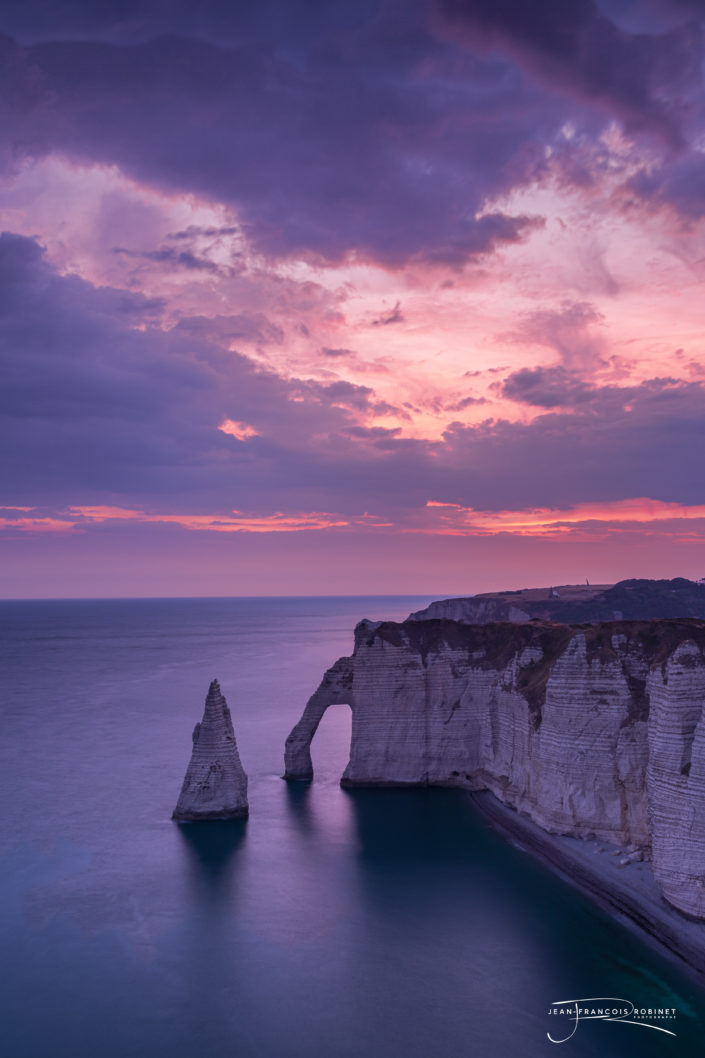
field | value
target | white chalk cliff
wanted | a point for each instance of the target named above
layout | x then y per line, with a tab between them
215	786
592	731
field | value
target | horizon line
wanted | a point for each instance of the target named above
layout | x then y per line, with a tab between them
207	598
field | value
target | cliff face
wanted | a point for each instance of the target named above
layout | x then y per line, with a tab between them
592	731
215	785
676	777
478	609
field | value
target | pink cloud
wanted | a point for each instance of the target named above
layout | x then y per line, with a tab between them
241	431
587	520
236	522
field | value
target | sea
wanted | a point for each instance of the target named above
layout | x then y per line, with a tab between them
335	923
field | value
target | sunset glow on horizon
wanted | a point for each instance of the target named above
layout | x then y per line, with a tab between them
378	278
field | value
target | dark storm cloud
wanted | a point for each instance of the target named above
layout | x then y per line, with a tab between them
652	16
293	22
378	129
573	46
382	140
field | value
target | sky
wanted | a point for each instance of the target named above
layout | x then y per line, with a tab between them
350	297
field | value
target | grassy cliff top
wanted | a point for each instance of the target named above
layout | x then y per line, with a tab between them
628	600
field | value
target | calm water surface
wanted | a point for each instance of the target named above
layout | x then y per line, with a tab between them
367	924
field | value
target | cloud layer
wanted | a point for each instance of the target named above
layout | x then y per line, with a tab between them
379	268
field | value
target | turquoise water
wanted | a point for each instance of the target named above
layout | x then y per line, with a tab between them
347	924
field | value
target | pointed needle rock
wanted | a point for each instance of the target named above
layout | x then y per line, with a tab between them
215	786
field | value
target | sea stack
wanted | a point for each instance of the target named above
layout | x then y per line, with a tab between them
215	786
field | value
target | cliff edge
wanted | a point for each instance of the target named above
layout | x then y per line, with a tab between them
628	600
593	731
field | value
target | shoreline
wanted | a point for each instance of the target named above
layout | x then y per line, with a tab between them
629	892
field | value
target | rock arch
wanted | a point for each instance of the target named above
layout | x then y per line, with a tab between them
336	688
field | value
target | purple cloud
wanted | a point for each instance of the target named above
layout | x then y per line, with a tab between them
546	387
572	331
337	353
370	130
395	315
292	24
575	48
367	145
94	411
616	442
250	327
680	186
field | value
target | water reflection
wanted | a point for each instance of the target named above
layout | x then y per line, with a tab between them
426	827
433	876
298	800
213	847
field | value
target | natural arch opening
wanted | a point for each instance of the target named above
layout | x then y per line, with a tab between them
330	749
335	689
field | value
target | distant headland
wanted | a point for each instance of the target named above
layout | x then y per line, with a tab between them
628	600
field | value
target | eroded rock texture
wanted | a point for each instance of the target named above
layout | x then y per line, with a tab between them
215	786
592	731
676	778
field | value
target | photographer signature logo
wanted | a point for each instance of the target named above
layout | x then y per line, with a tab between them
605	1008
